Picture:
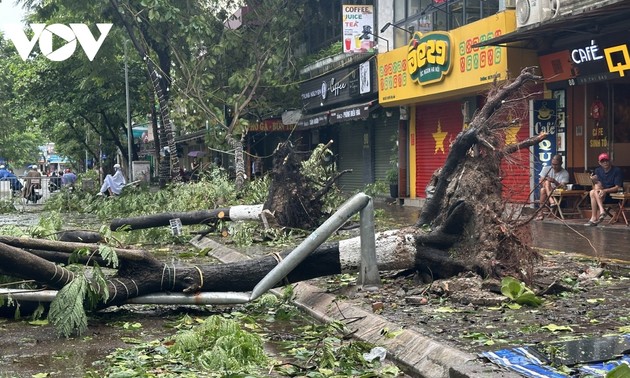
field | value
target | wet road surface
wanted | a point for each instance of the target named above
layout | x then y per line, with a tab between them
605	241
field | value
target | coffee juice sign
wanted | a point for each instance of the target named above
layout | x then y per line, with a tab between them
543	120
358	24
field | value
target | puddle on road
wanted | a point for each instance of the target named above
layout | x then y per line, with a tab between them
583	351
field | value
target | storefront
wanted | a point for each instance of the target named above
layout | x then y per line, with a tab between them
591	78
342	106
441	79
262	140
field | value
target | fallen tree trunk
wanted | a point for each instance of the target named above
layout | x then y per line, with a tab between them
139	273
233	213
140	277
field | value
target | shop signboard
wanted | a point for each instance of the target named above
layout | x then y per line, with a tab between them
358	25
270	125
340	87
542	119
598	59
436	63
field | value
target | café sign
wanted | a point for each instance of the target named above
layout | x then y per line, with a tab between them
589	61
339	87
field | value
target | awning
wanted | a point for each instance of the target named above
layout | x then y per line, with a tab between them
344	114
56	159
313	120
139	130
588	23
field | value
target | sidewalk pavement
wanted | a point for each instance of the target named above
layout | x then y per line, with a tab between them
416	354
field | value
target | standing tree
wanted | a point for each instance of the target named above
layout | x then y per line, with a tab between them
20	135
229	76
79	104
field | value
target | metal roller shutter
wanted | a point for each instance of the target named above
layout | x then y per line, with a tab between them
385	133
351	156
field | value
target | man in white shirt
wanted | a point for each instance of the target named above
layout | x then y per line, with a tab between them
113	185
551	177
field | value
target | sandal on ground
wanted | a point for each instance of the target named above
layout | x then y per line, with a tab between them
602	216
590	223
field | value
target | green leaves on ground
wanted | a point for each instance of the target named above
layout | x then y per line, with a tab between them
519	293
220	345
66	310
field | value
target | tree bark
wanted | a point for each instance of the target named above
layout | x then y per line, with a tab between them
140	273
234	213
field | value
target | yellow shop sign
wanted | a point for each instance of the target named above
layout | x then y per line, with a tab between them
436	63
429	57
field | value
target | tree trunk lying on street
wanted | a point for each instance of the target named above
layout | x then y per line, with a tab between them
140	273
295	200
233	213
463	227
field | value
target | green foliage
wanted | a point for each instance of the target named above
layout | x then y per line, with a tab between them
108	254
48	225
66	310
519	293
220	345
376	189
621	371
392	175
12	230
243	232
7	206
319	169
257	190
333	49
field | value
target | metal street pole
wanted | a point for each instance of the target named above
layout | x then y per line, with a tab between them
129	131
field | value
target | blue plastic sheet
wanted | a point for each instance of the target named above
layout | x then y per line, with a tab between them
525	361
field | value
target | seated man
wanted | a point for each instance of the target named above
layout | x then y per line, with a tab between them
551	177
69	178
113	185
606	180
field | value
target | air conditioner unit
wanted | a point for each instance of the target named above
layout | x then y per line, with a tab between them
529	12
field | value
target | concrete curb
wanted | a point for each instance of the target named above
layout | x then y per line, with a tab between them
418	355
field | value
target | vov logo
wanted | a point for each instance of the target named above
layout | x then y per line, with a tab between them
44	35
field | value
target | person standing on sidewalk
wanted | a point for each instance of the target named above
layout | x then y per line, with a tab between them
69	178
606	179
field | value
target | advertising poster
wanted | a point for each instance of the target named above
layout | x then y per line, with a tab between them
543	116
358	26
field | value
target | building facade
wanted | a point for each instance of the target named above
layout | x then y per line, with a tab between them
582	50
440	79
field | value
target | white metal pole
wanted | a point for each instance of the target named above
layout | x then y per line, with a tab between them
129	131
